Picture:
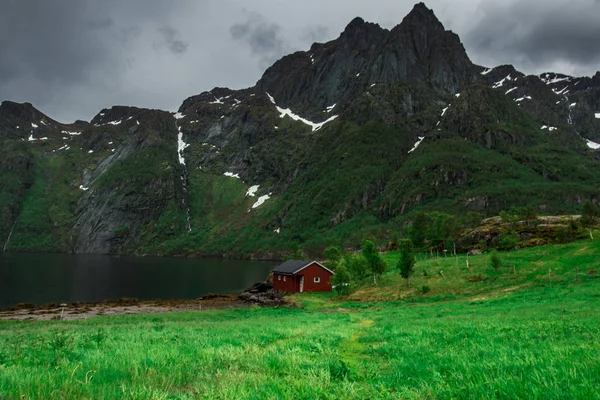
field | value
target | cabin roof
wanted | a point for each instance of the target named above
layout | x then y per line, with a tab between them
293	266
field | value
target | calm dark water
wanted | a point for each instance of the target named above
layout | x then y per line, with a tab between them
57	278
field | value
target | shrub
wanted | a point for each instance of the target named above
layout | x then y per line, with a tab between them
341	281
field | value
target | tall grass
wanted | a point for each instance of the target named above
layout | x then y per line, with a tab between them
538	341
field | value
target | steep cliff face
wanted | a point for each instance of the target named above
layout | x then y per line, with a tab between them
347	139
137	182
417	52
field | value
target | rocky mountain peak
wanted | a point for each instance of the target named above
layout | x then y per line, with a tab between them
23	111
421	15
596	79
360	32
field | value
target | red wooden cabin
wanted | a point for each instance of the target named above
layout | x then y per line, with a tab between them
296	276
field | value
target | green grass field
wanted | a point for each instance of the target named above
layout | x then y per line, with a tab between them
500	335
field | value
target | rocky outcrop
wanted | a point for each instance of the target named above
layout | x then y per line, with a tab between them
263	294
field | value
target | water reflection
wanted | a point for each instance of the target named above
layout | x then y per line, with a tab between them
45	278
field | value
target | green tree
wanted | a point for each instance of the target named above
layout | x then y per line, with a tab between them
589	215
495	262
296	252
333	256
442	228
356	265
418	229
341	280
406	265
405	244
374	260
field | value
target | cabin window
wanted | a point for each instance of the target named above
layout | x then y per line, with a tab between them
317	279
278	277
284	278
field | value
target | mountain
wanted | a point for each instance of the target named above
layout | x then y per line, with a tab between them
346	140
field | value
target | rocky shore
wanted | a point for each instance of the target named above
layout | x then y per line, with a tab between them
261	294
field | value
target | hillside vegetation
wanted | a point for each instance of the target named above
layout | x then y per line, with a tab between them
477	333
352	138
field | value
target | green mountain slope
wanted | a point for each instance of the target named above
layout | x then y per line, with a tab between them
348	139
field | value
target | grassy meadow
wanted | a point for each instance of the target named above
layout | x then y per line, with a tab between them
475	333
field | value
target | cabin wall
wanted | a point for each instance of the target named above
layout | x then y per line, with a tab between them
286	285
312	271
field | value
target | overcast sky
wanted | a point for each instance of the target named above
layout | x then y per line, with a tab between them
71	58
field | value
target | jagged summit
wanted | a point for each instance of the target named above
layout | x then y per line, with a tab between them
359	27
417	52
422	15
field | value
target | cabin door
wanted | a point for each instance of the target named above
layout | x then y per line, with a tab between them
301	283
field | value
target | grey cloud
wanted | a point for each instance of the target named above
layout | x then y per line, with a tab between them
53	51
172	40
100	23
536	34
262	37
316	34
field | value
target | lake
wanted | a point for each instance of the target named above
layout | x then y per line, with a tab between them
66	278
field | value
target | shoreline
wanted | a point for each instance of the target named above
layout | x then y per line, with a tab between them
274	257
124	306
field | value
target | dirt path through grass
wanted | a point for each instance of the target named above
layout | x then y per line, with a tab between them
352	350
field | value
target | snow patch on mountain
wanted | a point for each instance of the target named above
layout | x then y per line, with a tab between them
520	99
232	175
330	108
597	115
252	190
546	79
562	91
33	125
178	115
487	71
32	139
261	200
181	146
217	101
287	112
511	90
71	133
592	145
501	82
550	128
421	138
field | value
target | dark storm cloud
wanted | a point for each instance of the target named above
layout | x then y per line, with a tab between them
172	39
535	34
47	41
53	49
263	39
